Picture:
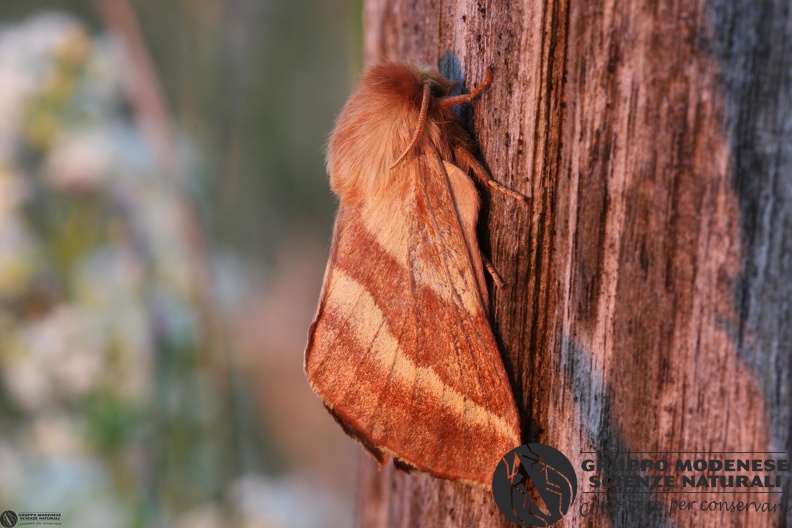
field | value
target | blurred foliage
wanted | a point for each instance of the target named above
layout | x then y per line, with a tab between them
122	402
259	84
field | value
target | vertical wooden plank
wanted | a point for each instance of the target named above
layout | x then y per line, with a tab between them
650	281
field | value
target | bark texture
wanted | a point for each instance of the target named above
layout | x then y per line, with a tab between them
649	305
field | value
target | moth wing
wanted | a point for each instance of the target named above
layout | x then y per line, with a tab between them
401	350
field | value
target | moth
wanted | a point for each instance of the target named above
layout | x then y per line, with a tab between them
401	350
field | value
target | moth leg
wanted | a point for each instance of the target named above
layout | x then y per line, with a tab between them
508	191
466	158
454	100
496	278
383	463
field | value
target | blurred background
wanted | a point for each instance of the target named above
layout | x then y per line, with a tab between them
164	224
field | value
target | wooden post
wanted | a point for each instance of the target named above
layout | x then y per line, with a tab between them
649	305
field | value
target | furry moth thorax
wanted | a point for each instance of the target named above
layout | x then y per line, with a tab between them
377	123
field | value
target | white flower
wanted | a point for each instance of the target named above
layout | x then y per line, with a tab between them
56	436
206	516
80	162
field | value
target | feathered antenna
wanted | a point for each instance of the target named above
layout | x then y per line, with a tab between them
419	128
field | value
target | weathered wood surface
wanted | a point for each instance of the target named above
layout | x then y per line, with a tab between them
649	305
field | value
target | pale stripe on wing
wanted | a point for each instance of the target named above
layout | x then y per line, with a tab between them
352	301
390	231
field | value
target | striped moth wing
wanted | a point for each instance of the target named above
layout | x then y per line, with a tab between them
401	350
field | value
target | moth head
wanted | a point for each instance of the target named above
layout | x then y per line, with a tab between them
395	105
406	82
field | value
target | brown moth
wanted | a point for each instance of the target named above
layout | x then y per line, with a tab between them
401	350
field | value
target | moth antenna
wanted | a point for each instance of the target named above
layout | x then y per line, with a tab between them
508	191
445	102
419	128
496	278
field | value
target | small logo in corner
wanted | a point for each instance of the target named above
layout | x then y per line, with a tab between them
8	519
534	485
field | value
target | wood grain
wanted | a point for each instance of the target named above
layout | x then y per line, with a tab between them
650	282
